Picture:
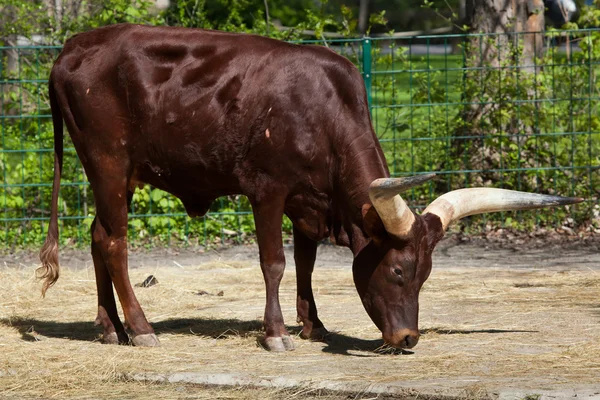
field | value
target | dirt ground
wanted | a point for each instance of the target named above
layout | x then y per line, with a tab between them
497	321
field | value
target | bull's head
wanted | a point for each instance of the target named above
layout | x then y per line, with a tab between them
391	269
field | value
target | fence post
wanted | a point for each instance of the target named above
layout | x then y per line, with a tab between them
366	66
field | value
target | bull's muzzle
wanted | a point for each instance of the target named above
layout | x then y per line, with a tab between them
403	338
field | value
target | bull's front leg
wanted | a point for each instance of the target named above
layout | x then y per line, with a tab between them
268	217
305	253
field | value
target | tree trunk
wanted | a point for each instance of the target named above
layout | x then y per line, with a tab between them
55	11
503	45
462	10
499	80
505	52
363	16
509	19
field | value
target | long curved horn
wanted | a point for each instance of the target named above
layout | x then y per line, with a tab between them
393	211
461	203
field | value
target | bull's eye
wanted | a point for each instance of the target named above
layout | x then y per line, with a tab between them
395	275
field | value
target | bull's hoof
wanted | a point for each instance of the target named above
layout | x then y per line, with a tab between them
110	338
114	338
147	340
288	343
278	344
317	334
273	344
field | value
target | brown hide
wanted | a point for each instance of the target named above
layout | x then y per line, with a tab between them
203	114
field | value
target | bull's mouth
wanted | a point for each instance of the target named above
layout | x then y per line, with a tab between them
388	348
400	346
402	339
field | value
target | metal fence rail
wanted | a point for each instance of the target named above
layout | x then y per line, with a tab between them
438	103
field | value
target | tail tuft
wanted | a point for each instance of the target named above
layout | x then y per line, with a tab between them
49	252
49	270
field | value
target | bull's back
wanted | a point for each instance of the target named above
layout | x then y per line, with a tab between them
222	110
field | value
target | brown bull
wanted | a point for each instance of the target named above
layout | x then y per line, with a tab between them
203	114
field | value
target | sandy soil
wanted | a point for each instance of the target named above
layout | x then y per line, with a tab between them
451	252
497	322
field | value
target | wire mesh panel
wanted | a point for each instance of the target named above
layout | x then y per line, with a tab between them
27	168
480	110
26	154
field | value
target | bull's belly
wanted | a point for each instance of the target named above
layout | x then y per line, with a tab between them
309	211
195	186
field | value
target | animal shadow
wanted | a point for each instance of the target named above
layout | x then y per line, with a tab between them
335	343
441	331
30	329
338	343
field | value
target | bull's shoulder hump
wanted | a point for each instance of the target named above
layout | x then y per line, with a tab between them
99	36
194	37
134	37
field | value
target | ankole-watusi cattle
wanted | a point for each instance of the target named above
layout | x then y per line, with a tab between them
203	114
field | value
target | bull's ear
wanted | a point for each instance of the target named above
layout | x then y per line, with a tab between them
373	224
435	229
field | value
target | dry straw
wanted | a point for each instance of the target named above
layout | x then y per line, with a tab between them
483	329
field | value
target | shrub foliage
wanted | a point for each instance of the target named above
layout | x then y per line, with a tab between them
536	129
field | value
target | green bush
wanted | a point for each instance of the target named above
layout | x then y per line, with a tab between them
539	131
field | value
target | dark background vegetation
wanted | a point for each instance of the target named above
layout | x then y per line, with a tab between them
473	109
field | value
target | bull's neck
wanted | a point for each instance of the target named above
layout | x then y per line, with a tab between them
361	166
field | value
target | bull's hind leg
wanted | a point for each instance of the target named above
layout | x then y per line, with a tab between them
108	317
110	244
268	217
305	253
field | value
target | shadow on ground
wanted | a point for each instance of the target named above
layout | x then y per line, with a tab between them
440	331
336	343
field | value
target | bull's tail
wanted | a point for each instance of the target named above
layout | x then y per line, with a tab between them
49	252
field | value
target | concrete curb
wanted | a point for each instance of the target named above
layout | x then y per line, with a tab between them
399	390
341	387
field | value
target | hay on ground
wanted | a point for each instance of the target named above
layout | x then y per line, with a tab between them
483	328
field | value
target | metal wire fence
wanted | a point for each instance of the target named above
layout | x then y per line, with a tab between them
477	109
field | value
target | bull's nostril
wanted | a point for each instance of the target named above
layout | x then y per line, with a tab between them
410	341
